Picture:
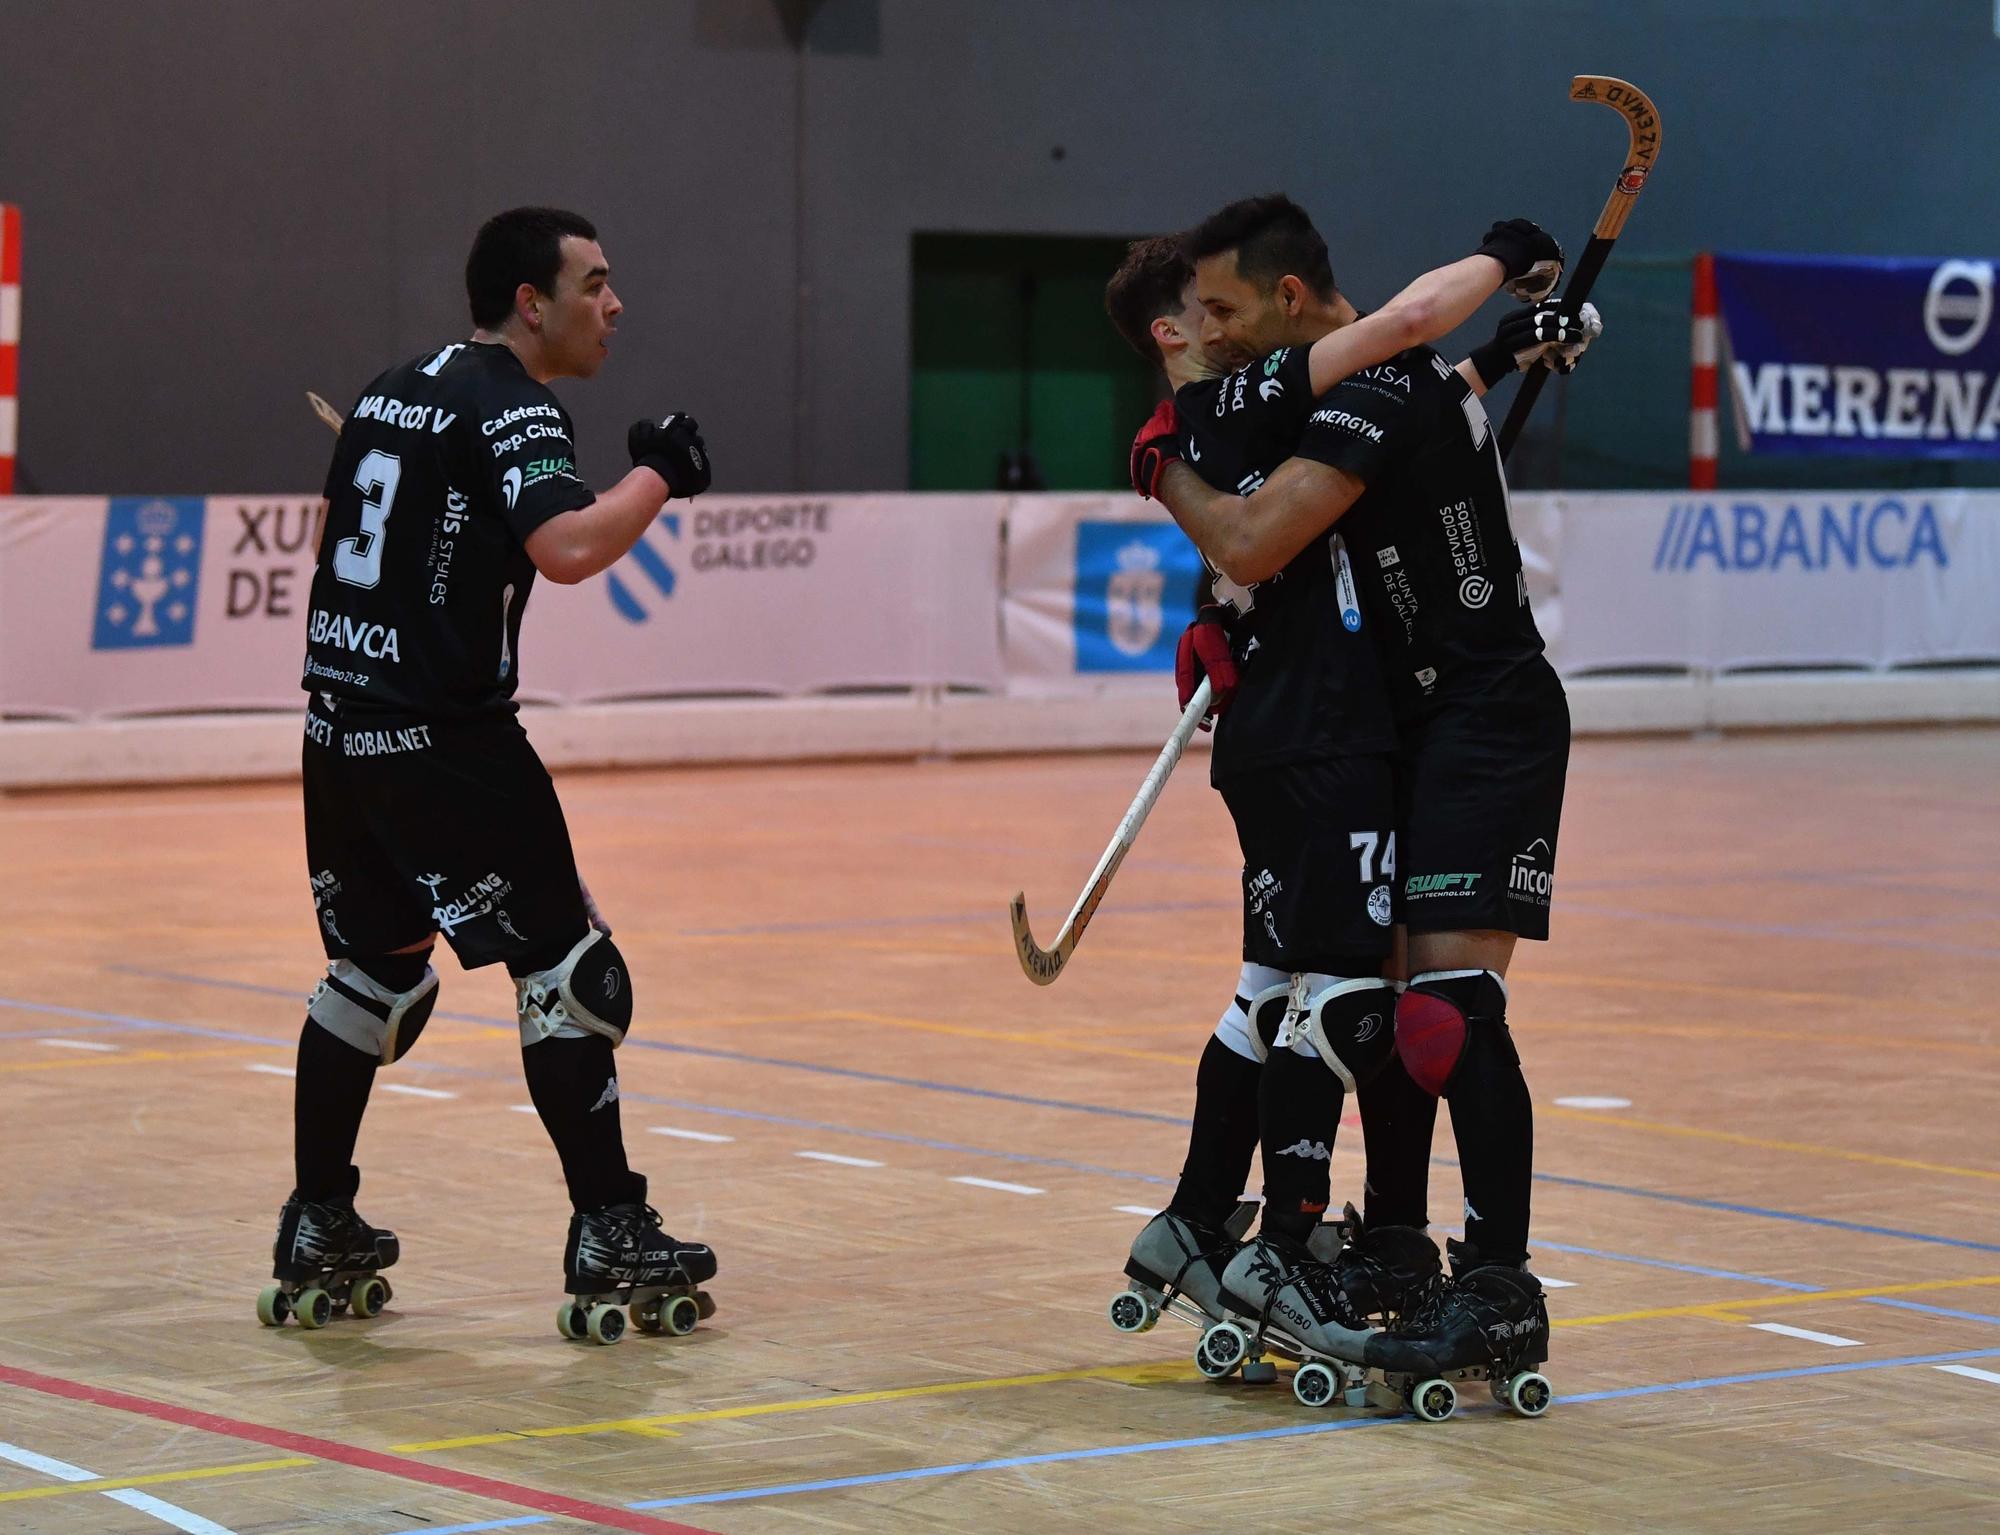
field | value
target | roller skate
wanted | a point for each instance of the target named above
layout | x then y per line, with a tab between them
325	1261
1487	1322
1176	1267
619	1256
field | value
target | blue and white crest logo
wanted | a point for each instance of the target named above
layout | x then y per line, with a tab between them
150	573
1129	576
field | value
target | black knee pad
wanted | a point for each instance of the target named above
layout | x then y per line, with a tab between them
1445	1016
1351	1025
588	992
362	1009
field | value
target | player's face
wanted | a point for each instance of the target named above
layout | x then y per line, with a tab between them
577	322
1242	323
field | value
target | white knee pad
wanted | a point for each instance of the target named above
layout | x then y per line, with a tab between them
355	1008
1351	1025
1258	988
588	993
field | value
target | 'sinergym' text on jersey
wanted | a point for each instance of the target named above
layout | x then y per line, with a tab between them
446	465
1439	569
1311	685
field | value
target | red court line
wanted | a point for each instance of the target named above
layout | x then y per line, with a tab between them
347	1454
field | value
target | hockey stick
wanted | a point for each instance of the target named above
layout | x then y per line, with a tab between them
326	412
1042	965
1642	151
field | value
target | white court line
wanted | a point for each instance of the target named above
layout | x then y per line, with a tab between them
76	1044
1970	1373
1556	1284
1146	1210
145	1503
1830	1339
523	1108
1593	1103
688	1135
836	1158
272	1071
1004	1188
416	1092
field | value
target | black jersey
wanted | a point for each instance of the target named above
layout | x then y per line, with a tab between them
446	465
1311	683
1440	569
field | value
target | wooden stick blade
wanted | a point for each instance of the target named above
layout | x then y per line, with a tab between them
1642	150
1040	965
326	412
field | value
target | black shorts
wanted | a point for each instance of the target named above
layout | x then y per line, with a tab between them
418	826
1480	790
1318	863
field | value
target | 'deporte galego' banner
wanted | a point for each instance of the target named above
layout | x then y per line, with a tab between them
1892	358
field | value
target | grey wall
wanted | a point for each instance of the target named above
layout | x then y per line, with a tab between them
230	201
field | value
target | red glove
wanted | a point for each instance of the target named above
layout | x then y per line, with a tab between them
1157	445
1204	652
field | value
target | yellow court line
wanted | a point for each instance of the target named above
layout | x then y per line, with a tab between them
1591	982
1724	1310
1730	1136
119	1483
126	1058
1131	1374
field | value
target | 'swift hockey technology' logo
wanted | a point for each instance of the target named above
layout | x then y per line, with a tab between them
150	573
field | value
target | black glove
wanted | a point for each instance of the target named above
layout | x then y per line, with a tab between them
1531	255
672	449
1539	333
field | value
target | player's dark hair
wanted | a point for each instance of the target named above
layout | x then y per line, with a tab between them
1272	238
1148	284
520	245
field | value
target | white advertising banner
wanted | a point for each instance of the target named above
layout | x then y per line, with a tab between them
157	605
1098	588
1774	578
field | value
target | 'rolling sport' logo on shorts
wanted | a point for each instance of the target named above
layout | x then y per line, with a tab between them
1129	577
651	564
149	574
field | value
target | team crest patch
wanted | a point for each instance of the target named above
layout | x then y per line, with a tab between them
149	574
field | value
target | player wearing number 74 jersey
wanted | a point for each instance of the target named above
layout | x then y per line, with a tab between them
454	485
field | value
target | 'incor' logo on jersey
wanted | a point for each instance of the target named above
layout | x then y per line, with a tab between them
1132	609
1475	591
149	574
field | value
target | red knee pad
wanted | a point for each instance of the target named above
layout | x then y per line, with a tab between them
1430	1037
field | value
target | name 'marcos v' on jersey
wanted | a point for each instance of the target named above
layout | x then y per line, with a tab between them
445	466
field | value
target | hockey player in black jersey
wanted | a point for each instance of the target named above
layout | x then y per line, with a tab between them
1303	759
1401	459
454	484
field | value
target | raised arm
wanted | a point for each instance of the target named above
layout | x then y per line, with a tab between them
1251	538
669	459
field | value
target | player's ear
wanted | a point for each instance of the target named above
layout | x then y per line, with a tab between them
528	304
1166	333
1291	295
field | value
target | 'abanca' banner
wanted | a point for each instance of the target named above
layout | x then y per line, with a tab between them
1891	358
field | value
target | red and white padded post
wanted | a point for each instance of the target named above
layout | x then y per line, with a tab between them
10	342
1701	411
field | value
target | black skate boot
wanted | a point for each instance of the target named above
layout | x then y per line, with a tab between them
1286	1301
1487	1322
619	1256
325	1261
1383	1270
1176	1266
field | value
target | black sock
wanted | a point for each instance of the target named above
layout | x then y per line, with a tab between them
1223	1136
1299	1103
1493	1119
329	1097
574	1083
1398	1119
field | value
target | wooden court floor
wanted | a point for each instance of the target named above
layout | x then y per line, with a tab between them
1762	1045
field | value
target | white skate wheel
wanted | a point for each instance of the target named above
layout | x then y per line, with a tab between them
1434	1401
680	1314
571	1321
1132	1312
1315	1385
1222	1348
1529	1394
273	1305
605	1324
368	1298
314	1308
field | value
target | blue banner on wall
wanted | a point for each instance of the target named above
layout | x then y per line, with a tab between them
1890	358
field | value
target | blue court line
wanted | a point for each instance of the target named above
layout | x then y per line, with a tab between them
946	919
152	1025
1912	1305
1203	1441
707	1052
1834	934
1680	1268
1660	1196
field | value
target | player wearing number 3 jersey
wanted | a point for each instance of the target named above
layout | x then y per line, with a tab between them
455	484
